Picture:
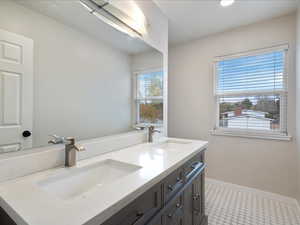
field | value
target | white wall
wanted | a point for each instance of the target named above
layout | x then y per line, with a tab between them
264	164
82	86
150	60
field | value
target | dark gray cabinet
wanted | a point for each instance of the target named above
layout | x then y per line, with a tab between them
182	199
194	193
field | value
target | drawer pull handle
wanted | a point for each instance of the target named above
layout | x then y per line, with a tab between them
139	215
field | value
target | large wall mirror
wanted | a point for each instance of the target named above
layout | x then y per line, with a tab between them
86	76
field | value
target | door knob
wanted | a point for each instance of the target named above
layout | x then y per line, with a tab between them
26	133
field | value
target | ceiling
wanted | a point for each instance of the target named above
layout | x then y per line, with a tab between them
192	19
64	11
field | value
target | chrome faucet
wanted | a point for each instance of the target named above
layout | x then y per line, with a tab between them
70	148
151	131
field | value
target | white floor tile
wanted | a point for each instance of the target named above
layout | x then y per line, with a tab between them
230	204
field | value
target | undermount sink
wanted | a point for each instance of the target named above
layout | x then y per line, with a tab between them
73	182
172	144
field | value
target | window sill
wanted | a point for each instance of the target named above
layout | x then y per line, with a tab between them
148	124
267	136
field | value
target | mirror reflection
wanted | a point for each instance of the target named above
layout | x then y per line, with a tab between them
83	76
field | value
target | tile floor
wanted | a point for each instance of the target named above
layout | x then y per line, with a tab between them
229	204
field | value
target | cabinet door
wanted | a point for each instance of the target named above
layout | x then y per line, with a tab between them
199	199
140	210
175	214
188	205
172	184
196	198
194	201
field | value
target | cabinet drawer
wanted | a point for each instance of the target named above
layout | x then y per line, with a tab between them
175	214
191	166
140	210
172	184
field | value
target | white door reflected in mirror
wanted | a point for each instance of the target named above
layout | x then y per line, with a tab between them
16	73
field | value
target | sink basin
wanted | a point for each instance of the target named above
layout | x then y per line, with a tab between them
73	182
172	144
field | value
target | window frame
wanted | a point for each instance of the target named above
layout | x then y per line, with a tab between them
282	133
136	100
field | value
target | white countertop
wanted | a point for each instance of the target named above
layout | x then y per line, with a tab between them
28	204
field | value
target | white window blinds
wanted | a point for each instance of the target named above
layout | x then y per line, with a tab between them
150	85
251	92
264	73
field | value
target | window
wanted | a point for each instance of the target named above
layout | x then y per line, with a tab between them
149	98
251	93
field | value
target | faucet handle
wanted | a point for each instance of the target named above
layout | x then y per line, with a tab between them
71	141
79	148
152	129
56	139
139	127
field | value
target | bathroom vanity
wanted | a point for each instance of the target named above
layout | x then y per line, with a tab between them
146	184
178	199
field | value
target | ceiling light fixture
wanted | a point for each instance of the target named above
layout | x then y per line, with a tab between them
226	3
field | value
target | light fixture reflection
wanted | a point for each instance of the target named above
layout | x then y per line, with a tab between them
226	3
109	18
104	19
86	6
